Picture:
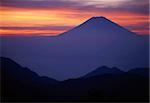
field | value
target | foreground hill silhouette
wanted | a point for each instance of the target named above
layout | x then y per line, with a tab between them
94	43
22	84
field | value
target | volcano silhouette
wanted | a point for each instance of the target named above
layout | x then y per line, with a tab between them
96	42
101	26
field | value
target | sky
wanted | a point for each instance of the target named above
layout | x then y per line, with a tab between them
52	17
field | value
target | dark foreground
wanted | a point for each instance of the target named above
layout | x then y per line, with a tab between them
21	84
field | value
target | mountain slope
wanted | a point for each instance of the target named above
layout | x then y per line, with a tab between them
11	68
101	25
22	83
102	71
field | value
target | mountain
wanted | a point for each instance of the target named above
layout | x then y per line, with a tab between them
20	84
103	70
96	42
106	88
102	27
11	68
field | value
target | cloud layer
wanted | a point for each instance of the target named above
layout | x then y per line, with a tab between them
64	14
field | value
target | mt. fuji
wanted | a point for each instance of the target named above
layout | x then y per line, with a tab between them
94	43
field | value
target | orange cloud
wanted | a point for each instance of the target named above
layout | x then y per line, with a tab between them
30	32
22	17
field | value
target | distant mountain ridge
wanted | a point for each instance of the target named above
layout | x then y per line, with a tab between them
104	70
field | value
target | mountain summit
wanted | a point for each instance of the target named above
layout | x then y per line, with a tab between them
101	26
96	20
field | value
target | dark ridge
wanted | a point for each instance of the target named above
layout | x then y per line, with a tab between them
103	70
100	88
